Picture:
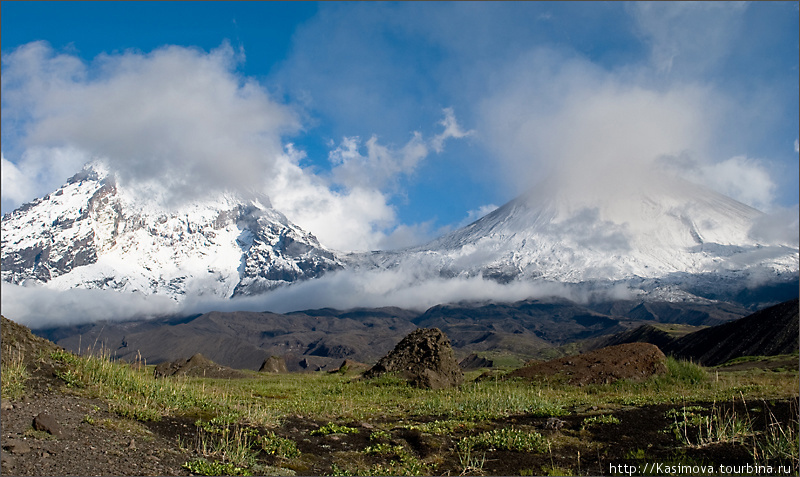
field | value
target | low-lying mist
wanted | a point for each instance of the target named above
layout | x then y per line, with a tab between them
42	307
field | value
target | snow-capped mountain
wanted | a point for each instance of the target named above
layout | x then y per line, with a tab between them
664	239
90	233
666	229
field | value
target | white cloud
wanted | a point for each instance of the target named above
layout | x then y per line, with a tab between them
349	209
40	307
179	117
742	178
476	214
593	132
185	122
39	171
780	225
379	166
451	130
688	36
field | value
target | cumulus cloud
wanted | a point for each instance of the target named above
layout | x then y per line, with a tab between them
180	118
349	208
177	124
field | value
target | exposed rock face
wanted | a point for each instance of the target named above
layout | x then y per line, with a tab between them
197	366
424	358
634	361
274	365
473	361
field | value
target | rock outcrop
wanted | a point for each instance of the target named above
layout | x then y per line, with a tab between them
196	366
424	358
274	365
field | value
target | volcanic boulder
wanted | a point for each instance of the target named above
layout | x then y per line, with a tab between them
424	358
273	364
196	366
634	361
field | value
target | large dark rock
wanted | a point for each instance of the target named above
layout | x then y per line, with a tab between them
196	366
273	364
633	361
424	358
46	423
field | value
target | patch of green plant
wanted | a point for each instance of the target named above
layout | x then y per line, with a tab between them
695	429
638	454
278	446
333	428
407	464
490	400
40	435
505	439
556	470
64	357
14	373
780	443
469	460
70	378
228	443
382	448
389	380
379	436
442	428
132	393
205	467
599	420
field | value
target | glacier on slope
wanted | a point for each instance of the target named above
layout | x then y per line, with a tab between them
90	233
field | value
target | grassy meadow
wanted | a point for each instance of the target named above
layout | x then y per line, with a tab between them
338	424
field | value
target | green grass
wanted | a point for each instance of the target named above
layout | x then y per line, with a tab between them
14	374
131	392
231	415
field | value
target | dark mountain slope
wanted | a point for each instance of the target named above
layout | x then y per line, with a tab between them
768	332
771	331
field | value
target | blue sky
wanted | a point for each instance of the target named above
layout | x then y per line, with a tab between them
381	125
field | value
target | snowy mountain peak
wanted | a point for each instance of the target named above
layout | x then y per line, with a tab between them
91	233
641	231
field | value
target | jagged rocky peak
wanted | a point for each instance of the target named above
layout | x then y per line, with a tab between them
93	233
